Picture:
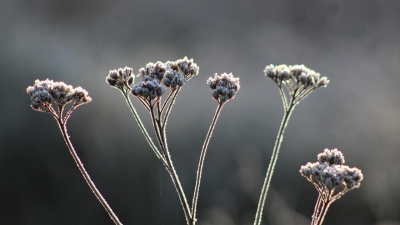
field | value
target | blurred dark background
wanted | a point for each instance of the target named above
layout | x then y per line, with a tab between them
355	43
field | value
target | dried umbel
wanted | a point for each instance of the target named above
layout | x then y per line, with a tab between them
332	180
150	88
331	156
224	87
184	66
121	78
299	80
44	93
178	72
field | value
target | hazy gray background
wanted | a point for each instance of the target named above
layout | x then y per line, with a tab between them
355	43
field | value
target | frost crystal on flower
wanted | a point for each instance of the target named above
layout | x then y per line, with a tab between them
43	92
224	86
121	78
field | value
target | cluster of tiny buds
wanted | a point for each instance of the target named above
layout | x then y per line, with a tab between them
331	156
329	172
150	87
121	78
157	76
43	92
224	87
296	76
186	67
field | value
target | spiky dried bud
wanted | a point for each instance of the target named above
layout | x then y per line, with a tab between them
121	78
224	86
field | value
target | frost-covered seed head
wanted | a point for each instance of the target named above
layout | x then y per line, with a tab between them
43	92
173	79
224	86
40	94
298	74
333	156
62	93
352	177
330	173
81	96
150	89
121	78
152	71
186	66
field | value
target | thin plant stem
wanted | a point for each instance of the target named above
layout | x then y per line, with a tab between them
201	162
170	167
82	169
318	217
143	129
317	207
272	163
171	103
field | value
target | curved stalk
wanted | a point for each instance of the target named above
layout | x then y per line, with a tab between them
272	163
86	176
201	163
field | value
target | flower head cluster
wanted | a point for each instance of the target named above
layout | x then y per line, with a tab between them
121	78
331	156
298	79
224	86
157	76
152	71
42	94
150	87
329	173
187	68
173	79
179	71
296	75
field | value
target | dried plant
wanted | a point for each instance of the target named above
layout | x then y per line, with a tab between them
156	79
332	180
45	94
299	81
157	91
